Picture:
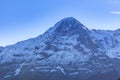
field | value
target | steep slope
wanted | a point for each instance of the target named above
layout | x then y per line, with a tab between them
67	50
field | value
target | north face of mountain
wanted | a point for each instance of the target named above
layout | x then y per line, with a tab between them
67	49
68	36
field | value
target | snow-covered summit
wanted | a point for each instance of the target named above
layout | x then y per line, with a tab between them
69	25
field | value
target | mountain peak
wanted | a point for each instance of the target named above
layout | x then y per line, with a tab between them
69	19
69	24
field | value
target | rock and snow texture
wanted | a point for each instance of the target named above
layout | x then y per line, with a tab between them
67	39
68	44
109	42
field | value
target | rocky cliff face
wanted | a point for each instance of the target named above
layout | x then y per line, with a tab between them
68	50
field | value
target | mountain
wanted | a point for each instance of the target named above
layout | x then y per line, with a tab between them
67	51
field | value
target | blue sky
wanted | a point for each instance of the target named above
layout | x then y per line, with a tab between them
23	19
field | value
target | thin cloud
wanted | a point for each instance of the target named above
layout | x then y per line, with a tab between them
114	1
115	12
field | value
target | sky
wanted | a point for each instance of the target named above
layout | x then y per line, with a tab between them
24	19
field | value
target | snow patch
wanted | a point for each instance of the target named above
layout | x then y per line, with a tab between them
17	71
53	70
32	70
74	73
7	76
61	69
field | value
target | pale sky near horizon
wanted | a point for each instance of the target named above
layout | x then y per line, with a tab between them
24	19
